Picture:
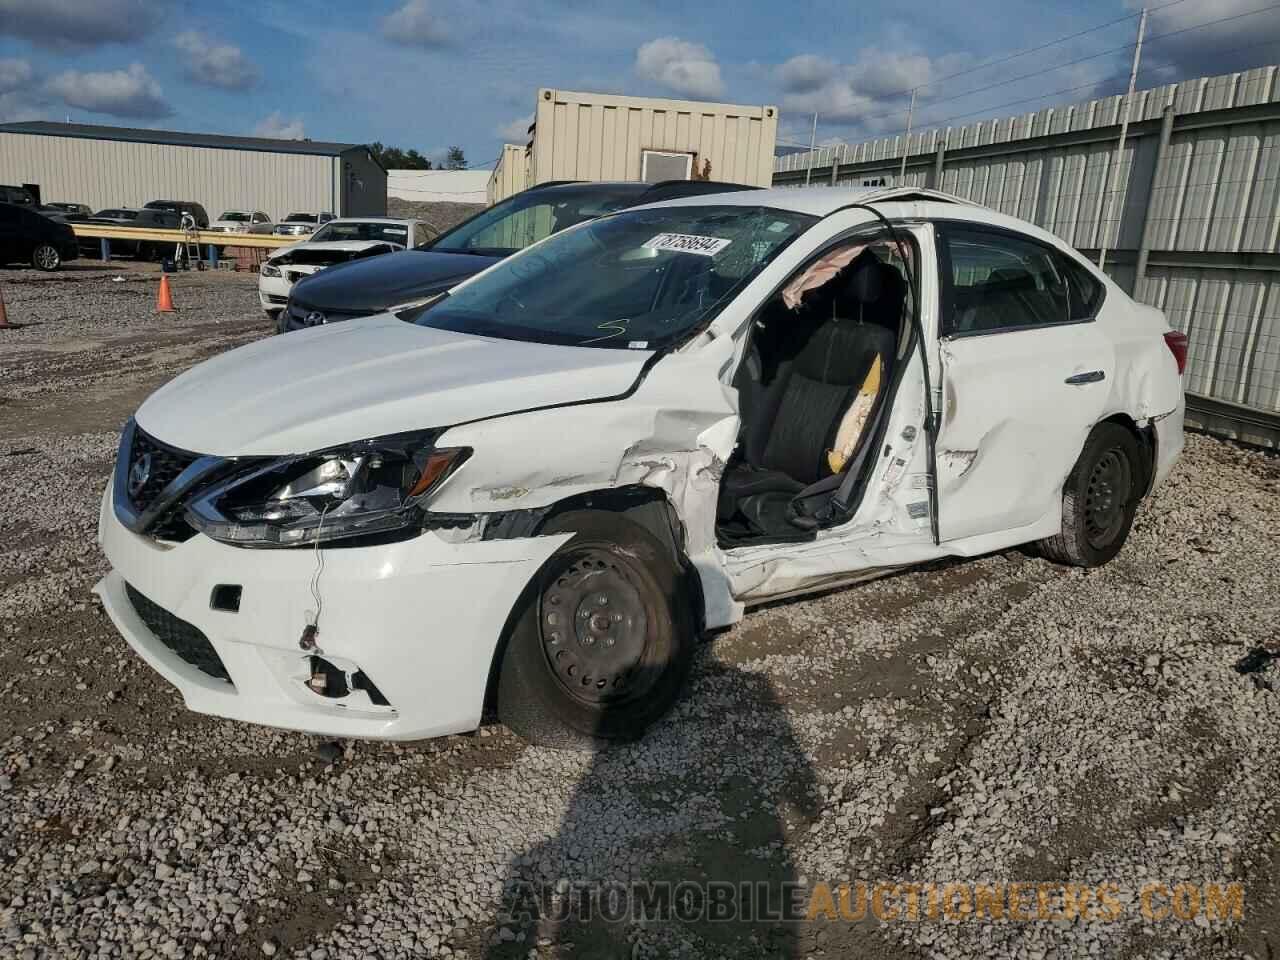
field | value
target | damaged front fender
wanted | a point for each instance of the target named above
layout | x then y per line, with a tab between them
672	435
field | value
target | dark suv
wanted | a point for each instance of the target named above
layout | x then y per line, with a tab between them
364	287
35	239
180	207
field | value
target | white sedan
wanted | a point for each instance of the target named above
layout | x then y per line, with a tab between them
338	241
530	496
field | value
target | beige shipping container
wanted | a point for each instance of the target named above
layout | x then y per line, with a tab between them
510	174
595	136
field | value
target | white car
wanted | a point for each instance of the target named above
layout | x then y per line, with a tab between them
531	495
242	221
338	241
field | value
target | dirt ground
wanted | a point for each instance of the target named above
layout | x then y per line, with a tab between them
989	722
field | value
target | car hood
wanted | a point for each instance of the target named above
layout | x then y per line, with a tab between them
367	378
380	282
231	224
335	246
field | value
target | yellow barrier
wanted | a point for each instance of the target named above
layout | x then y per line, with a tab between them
102	231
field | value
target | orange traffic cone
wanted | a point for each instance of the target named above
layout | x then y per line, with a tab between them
164	300
4	316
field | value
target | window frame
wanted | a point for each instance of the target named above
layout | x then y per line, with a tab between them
646	152
943	229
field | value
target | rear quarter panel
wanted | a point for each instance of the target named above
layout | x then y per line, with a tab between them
1147	382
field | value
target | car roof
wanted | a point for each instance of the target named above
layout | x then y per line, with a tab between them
399	221
662	190
908	202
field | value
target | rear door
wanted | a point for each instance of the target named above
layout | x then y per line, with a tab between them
1025	375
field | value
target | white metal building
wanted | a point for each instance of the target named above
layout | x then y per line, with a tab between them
120	166
595	136
435	186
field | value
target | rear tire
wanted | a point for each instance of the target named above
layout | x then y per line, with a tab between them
603	639
1099	499
46	257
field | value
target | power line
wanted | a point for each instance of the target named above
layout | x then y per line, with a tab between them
1030	50
1079	60
995	108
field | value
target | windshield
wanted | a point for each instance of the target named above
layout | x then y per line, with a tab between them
638	280
300	218
119	214
362	230
236	216
529	217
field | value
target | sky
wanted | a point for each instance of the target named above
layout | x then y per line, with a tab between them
427	74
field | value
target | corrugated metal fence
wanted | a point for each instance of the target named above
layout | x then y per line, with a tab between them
1193	228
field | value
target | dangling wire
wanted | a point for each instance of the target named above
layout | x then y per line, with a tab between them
315	577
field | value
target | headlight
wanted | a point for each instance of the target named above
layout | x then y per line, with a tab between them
267	270
376	486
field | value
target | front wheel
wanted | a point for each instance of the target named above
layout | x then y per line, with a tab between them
46	257
1099	499
604	638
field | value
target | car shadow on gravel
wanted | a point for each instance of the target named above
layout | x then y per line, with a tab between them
677	844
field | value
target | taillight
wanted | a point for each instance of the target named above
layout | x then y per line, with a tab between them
1177	344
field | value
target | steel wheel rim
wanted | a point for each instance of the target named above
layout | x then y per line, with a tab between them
1106	498
46	257
594	629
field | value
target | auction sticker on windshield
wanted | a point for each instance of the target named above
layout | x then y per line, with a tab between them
687	243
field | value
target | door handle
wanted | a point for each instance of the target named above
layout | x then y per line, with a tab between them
1093	376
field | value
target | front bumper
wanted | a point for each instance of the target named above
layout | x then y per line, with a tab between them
273	293
420	618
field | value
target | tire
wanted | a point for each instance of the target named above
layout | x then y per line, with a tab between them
1099	499
618	662
46	257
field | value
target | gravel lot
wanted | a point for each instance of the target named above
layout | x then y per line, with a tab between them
996	720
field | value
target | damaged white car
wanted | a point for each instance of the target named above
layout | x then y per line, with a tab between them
338	241
529	497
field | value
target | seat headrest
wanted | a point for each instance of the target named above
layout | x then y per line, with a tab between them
867	281
864	279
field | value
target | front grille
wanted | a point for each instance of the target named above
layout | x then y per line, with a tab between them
184	639
276	298
299	313
164	465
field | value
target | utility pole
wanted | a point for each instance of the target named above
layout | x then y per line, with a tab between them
1109	199
813	142
906	147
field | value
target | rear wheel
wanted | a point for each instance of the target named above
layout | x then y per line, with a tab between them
1099	499
603	641
46	257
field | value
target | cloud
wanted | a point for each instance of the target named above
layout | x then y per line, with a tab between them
877	82
131	92
72	24
415	25
215	64
280	128
19	94
517	131
684	68
14	74
1234	42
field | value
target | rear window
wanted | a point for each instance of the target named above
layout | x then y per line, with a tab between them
1083	289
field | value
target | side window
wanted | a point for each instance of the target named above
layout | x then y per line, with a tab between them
999	282
1083	288
259	217
517	231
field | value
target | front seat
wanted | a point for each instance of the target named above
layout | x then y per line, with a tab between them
790	421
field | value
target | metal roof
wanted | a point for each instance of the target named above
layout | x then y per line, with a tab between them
87	131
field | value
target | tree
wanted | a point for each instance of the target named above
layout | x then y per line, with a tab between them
393	158
455	159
